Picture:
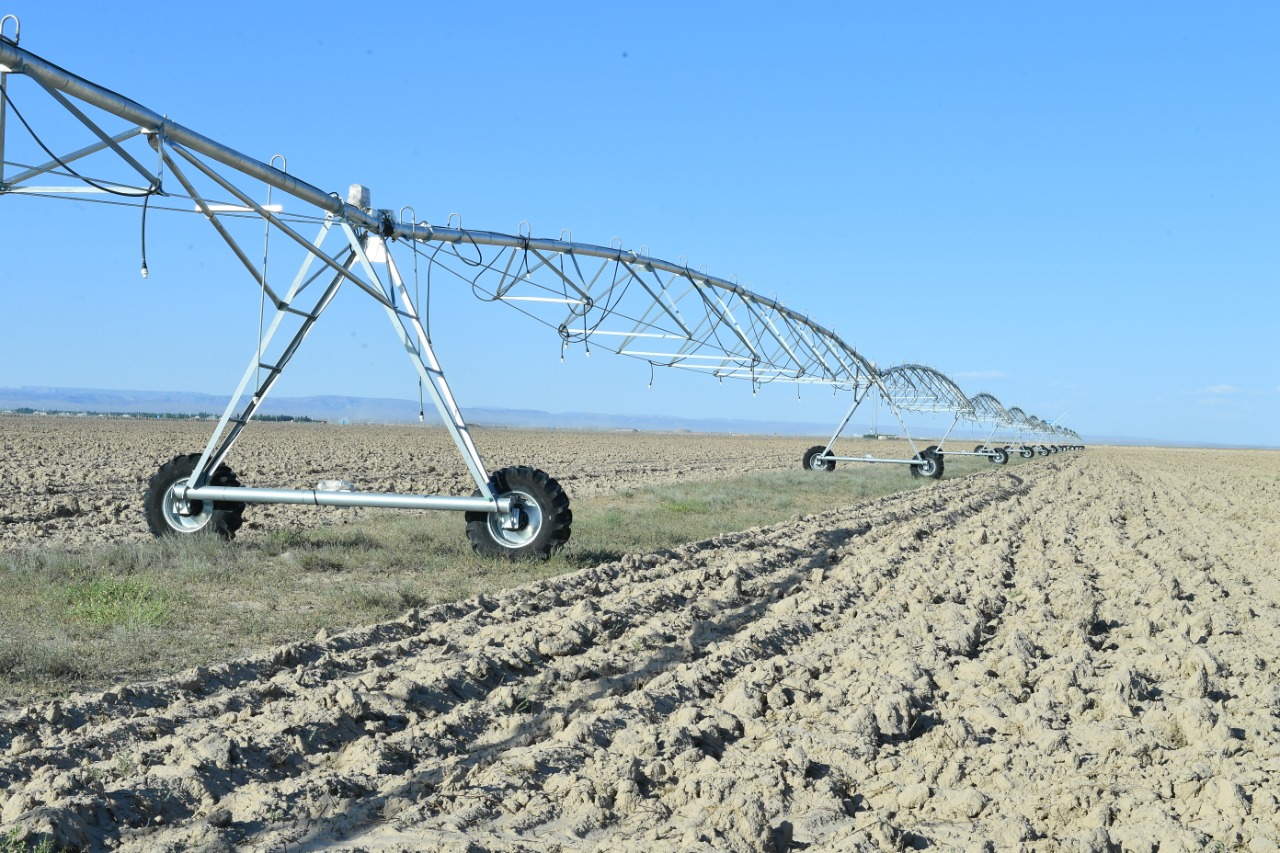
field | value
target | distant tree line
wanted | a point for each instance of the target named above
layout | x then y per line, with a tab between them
177	416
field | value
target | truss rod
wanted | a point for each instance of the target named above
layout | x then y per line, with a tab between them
64	160
51	76
284	228
151	179
213	219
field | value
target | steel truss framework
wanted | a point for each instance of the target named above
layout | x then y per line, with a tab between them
990	411
921	389
904	388
99	145
152	161
1034	435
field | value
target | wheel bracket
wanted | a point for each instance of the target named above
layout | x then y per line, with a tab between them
516	519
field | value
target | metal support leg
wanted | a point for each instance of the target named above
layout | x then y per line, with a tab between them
4	102
897	413
209	459
857	401
942	442
413	336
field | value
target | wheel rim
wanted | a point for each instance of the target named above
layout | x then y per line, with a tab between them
818	462
203	510
525	535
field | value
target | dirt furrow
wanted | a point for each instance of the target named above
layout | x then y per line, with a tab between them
1110	686
1074	655
678	745
369	697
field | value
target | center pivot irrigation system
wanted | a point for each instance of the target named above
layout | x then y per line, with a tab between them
1030	433
910	388
94	144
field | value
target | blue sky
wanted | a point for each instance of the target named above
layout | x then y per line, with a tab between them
1075	207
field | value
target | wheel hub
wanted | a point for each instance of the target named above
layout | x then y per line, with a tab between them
517	519
183	515
520	526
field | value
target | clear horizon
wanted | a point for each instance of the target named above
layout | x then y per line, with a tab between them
854	430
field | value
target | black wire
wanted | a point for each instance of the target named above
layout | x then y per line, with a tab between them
145	202
154	189
491	266
565	334
146	194
287	217
606	309
475	245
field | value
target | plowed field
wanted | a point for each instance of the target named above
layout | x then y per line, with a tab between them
1077	653
69	479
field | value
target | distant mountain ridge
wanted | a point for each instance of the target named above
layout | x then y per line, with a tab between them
374	410
387	410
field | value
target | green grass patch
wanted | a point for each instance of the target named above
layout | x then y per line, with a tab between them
85	618
117	602
682	507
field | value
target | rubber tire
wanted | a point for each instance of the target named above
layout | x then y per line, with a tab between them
814	459
1000	456
1026	452
223	520
1043	451
981	448
551	518
930	465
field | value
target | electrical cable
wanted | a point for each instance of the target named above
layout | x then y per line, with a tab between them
154	189
144	234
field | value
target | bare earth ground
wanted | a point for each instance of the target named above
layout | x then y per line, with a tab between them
1078	653
68	479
